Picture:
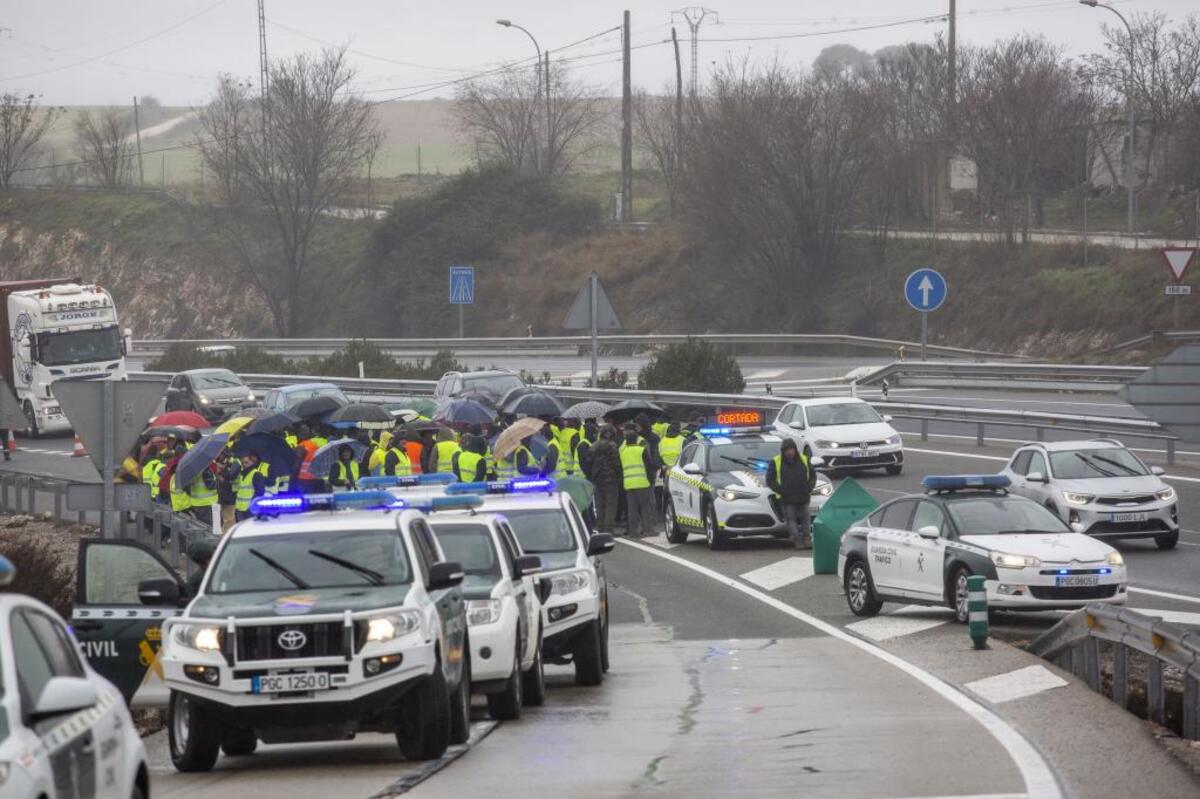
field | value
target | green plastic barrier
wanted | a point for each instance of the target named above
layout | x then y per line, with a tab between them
849	503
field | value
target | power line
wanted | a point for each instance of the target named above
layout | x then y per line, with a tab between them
810	34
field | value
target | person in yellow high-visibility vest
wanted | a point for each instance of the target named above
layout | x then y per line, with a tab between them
468	463
790	476
345	472
638	465
443	452
396	462
379	453
251	483
152	471
203	493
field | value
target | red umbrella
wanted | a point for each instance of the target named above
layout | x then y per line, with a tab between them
186	418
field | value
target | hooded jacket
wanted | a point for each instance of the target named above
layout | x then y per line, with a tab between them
793	480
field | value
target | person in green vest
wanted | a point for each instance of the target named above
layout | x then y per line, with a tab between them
638	466
152	470
439	459
791	477
251	483
203	494
396	462
468	463
669	447
568	442
520	462
344	474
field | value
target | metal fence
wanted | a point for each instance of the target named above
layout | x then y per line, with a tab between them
1075	645
1051	376
1154	339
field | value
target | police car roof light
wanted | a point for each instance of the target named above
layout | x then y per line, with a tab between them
710	432
406	481
517	485
453	502
280	504
965	482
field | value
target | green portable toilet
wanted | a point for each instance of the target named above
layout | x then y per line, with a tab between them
849	503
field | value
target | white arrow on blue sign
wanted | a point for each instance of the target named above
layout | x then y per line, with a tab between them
925	289
462	285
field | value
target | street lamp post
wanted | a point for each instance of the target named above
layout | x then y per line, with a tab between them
1127	165
537	97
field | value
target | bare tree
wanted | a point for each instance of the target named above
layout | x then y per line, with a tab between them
660	132
504	119
102	144
290	164
23	123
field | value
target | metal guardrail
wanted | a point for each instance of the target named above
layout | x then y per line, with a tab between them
1027	375
1151	339
1074	644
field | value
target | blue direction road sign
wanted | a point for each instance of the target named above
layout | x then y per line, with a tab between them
925	289
462	285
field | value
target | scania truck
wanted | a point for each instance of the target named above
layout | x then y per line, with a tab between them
56	329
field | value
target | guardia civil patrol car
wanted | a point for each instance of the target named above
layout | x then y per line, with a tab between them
920	549
320	617
718	487
504	608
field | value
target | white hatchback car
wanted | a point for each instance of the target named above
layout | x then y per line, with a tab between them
845	431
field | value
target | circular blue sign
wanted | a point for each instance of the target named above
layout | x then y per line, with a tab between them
925	290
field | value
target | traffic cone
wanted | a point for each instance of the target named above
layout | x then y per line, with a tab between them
78	451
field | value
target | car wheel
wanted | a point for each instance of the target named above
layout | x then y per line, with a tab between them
860	590
589	670
506	705
535	679
958	595
895	468
675	533
460	702
239	742
424	724
1166	540
192	733
31	426
712	532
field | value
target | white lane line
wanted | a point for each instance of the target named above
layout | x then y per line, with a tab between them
1020	441
1164	594
1040	781
1005	460
1017	684
781	573
660	541
905	621
973	796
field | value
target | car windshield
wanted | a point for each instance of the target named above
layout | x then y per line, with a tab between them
1084	464
310	560
80	346
497	385
221	379
299	395
841	413
542	530
741	455
993	515
471	545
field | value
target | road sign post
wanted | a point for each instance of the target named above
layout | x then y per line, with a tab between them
592	311
1178	260
462	290
925	291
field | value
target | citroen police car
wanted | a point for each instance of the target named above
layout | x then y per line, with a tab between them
504	608
546	523
718	486
64	729
920	549
320	617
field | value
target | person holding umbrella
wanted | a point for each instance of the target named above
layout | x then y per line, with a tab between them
229	470
251	483
638	465
344	474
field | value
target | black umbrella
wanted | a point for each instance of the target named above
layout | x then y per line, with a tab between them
482	396
256	412
271	450
199	458
316	406
514	392
628	409
271	422
465	412
420	426
536	404
362	415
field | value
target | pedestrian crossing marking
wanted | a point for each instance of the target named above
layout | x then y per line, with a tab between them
1017	684
905	621
781	573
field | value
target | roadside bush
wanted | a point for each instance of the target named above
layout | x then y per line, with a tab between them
615	378
42	573
693	366
248	360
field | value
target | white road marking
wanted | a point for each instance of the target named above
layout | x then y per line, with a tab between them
1164	595
1005	460
764	374
781	573
904	621
660	541
973	796
1016	684
1039	779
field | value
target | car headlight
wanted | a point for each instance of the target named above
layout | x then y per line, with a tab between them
203	400
730	494
1166	495
201	637
1006	561
1115	559
250	397
893	439
393	625
570	582
823	490
826	444
1073	498
483	611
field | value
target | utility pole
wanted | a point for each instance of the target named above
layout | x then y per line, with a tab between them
626	128
549	127
263	73
419	163
952	68
137	130
678	156
694	16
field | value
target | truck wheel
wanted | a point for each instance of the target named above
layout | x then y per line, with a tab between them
675	533
589	670
506	705
424	731
239	742
460	702
712	531
193	734
31	426
534	680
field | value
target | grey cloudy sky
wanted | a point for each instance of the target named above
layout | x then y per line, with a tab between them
105	51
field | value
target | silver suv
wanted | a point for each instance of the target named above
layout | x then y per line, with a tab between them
1098	487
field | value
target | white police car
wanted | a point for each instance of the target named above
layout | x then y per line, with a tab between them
64	730
504	608
920	549
718	487
320	617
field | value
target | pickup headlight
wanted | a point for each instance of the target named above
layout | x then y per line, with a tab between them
893	439
393	625
826	444
483	611
203	399
201	637
730	494
570	582
1166	495
1006	561
1073	498
823	490
1115	559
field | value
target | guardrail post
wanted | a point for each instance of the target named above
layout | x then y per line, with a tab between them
1120	679
979	435
1041	433
924	429
1091	663
1155	703
1170	451
1191	702
59	501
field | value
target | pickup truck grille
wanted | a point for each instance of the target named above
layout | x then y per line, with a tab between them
262	642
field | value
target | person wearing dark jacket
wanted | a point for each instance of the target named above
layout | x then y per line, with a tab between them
791	477
604	470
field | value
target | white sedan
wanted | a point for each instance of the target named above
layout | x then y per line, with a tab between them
846	432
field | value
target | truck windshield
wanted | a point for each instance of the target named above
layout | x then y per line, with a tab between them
79	346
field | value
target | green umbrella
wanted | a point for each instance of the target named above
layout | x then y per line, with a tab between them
578	488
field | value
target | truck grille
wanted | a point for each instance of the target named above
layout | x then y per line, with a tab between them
262	643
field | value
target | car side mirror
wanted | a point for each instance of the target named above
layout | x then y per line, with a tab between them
796	425
816	461
691	468
526	565
64	695
159	591
445	574
1157	471
544	587
887	418
1035	477
600	544
929	531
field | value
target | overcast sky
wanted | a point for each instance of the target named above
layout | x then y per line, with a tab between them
105	51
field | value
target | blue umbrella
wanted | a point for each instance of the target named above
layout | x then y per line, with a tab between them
271	450
324	458
271	422
465	412
199	458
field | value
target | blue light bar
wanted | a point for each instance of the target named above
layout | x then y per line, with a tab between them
961	482
302	503
458	502
712	432
407	481
517	485
278	503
